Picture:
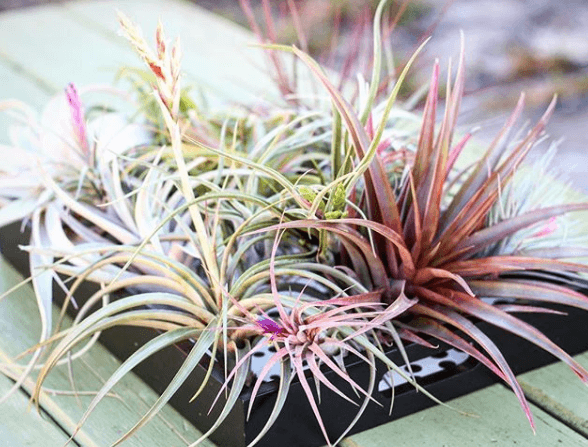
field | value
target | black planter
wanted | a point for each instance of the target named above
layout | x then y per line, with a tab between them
296	425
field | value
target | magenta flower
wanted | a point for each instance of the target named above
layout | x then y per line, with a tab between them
269	326
77	117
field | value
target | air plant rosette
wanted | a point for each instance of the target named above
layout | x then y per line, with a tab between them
319	230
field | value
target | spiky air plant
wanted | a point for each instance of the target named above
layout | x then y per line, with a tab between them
64	145
318	333
184	235
64	161
436	237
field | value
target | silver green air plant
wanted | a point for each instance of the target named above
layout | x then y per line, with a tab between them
354	224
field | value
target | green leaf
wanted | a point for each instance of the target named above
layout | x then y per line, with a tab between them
198	351
145	351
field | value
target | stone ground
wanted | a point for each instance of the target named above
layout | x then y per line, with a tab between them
539	46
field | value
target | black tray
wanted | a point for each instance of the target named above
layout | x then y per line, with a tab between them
296	425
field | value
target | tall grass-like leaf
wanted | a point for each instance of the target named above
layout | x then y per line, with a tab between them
282	393
43	287
198	351
20	209
92	214
463	324
150	348
236	388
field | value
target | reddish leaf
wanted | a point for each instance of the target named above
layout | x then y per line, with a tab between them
466	326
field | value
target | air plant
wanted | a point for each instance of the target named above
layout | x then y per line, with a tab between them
170	253
433	232
64	161
64	145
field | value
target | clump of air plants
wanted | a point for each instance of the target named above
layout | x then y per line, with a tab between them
169	239
60	170
441	235
349	221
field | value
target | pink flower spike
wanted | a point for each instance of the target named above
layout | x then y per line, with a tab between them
549	228
77	117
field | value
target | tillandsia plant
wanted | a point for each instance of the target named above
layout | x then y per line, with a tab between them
441	235
347	221
66	160
164	236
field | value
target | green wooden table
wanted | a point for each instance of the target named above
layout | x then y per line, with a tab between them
44	48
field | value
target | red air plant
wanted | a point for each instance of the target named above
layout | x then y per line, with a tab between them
433	240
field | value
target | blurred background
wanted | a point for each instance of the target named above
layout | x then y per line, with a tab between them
536	46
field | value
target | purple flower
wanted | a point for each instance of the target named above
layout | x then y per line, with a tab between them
269	326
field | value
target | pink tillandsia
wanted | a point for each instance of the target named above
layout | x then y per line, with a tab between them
78	120
307	333
315	332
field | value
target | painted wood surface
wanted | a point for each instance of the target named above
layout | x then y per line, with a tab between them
557	390
79	42
216	53
29	428
19	330
499	421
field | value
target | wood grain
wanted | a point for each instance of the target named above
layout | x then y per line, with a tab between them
500	422
19	329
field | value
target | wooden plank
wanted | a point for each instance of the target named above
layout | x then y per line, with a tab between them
557	390
19	84
216	52
30	428
80	42
501	422
36	65
19	326
59	50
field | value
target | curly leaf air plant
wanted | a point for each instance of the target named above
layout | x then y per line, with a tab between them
351	224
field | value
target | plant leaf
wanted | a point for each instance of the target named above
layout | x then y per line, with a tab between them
286	375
